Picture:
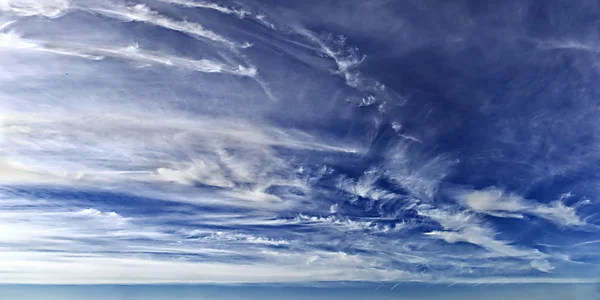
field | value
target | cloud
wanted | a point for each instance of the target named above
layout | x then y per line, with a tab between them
484	238
238	157
32	268
26	8
542	265
346	59
496	202
333	208
519	280
208	173
416	171
365	186
568	44
221	236
347	224
53	237
46	226
466	227
262	19
131	53
142	13
13	172
240	13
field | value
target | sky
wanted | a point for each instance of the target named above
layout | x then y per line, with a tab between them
300	147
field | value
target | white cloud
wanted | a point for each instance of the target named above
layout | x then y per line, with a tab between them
492	199
346	62
45	226
32	267
12	172
542	265
12	41
410	137
141	13
518	280
262	19
484	238
240	13
53	243
466	227
333	209
418	173
25	8
397	127
497	202
347	224
312	259
236	156
566	44
367	101
205	172
365	186
220	236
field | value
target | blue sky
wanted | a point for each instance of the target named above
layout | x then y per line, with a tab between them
299	142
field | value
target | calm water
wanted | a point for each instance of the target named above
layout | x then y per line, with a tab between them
210	292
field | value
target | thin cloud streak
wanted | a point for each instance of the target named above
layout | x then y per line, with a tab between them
240	13
132	53
142	13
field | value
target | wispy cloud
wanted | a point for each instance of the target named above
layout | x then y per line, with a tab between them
238	157
131	53
46	8
142	13
416	171
346	224
365	186
110	270
346	59
240	13
220	236
52	236
497	202
466	227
